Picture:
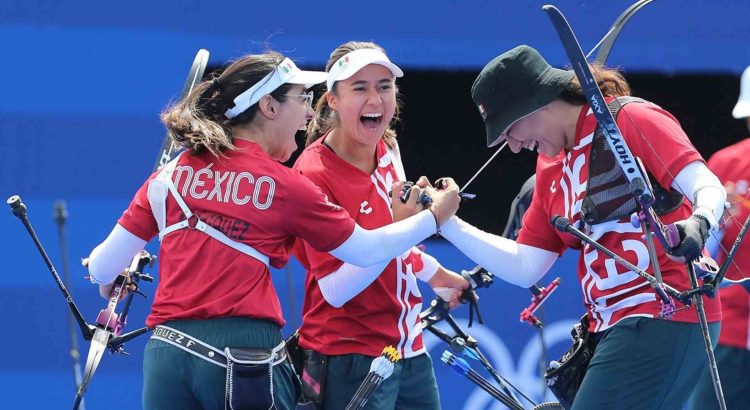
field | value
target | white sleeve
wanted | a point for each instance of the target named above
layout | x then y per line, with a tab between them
516	263
114	255
348	281
430	265
703	189
370	247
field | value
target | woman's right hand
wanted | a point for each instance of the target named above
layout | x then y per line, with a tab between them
412	206
106	290
445	200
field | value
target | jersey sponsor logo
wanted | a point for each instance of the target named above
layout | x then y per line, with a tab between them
225	186
365	208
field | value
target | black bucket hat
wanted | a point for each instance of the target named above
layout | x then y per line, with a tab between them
514	85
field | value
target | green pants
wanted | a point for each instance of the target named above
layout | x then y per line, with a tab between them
643	363
176	379
412	385
734	372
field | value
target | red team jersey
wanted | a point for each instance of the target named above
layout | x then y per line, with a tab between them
732	166
387	311
250	198
610	291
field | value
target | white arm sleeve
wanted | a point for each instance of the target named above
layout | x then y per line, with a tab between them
518	264
348	281
368	247
430	266
703	189
113	255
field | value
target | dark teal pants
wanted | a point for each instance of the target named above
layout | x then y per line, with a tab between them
644	363
412	385
734	372
176	379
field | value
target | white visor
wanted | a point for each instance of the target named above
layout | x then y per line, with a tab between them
285	73
742	109
352	62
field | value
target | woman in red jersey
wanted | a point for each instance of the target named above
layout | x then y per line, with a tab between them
225	211
350	314
641	361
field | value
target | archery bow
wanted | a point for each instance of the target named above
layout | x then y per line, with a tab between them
107	332
462	341
109	324
638	185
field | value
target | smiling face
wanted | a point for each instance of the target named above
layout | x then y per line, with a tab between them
537	131
293	115
365	104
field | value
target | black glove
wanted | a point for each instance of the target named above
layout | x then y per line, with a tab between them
693	235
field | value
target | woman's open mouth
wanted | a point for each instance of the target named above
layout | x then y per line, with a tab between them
371	120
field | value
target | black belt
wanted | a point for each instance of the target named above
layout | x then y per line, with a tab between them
204	350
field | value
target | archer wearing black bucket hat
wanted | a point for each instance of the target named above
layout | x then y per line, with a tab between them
542	109
513	85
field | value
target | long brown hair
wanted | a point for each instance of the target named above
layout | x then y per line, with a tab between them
197	122
610	81
326	118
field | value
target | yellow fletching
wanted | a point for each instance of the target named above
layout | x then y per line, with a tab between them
391	354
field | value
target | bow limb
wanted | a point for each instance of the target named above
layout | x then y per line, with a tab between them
606	43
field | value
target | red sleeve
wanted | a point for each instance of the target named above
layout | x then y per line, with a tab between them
655	136
313	218
319	264
536	229
718	163
138	218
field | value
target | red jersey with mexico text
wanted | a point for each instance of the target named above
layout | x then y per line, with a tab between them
611	292
250	198
732	166
386	312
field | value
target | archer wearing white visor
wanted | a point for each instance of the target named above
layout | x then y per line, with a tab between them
351	313
225	211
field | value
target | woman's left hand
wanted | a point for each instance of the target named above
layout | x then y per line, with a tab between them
449	286
693	235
